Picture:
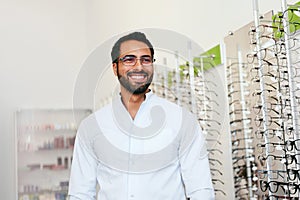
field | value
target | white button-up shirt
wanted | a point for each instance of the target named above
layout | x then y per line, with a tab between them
160	155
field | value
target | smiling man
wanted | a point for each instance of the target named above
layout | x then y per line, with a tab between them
140	146
133	64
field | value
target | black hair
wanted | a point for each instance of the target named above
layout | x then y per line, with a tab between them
141	37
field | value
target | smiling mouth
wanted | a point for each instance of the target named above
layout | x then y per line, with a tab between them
138	77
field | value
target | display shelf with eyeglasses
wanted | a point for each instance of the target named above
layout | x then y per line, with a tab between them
242	149
44	146
272	68
204	96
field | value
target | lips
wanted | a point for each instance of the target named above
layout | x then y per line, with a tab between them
137	77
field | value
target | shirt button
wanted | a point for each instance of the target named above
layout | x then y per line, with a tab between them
131	196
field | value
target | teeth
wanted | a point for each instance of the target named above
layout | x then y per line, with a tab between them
137	77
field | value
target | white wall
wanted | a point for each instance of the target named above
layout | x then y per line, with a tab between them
44	42
207	22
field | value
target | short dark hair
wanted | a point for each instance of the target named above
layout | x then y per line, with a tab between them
115	52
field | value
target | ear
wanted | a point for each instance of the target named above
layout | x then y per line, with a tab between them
114	65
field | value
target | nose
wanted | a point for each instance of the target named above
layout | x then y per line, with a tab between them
138	64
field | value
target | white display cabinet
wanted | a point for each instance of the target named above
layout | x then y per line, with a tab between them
45	140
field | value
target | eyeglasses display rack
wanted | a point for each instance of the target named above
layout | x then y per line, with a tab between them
262	61
203	94
44	142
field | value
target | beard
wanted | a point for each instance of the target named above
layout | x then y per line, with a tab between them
135	88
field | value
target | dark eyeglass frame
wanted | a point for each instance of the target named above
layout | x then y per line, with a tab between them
293	174
131	60
221	191
266	185
292	159
291	145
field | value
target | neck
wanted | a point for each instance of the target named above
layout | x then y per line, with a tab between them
131	101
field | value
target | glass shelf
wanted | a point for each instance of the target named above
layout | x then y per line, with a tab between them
45	140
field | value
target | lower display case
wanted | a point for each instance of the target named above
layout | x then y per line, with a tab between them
44	142
44	195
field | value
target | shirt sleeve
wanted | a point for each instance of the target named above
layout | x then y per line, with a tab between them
194	167
83	178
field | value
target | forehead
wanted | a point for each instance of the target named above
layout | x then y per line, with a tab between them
134	47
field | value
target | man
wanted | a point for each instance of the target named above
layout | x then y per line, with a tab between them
140	146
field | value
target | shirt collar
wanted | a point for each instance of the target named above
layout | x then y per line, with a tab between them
120	110
148	95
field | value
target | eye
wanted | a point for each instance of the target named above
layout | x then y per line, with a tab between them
128	59
146	60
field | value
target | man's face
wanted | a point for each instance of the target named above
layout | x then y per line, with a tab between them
135	77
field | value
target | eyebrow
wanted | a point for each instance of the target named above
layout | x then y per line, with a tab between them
130	55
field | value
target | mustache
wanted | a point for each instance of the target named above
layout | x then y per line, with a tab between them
142	72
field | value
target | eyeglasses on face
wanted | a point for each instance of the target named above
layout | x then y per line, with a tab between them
131	60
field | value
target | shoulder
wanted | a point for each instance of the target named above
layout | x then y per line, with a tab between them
90	126
165	103
174	113
171	107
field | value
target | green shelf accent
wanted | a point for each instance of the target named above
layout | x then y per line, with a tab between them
170	77
210	58
293	20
